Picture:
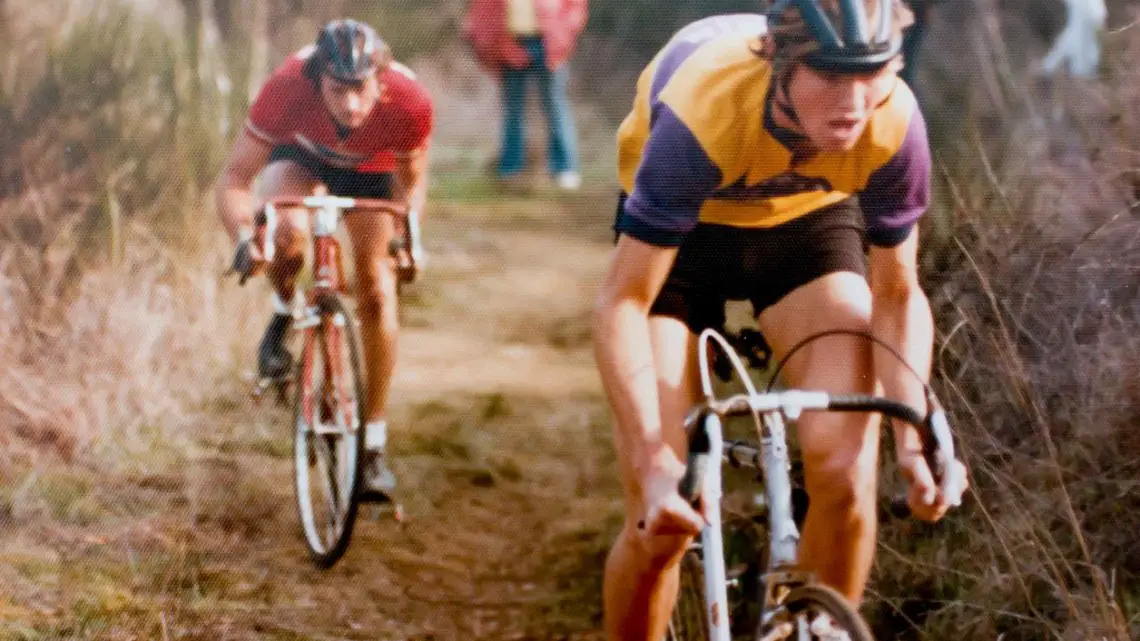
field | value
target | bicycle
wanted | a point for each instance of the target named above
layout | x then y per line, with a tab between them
793	605
328	378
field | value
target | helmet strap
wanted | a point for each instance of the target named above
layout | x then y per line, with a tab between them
780	98
777	98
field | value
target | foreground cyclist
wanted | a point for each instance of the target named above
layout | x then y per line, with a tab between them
340	117
754	167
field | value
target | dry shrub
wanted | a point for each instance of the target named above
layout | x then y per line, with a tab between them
1033	276
113	314
128	348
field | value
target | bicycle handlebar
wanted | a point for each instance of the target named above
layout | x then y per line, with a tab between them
938	445
342	203
792	403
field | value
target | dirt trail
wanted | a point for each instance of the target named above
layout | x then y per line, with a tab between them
501	445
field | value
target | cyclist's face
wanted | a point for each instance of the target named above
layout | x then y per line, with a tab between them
834	108
350	103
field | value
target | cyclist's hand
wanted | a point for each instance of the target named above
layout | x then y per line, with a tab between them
667	513
414	258
925	498
248	260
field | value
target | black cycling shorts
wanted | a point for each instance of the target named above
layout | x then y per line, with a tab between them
718	263
340	182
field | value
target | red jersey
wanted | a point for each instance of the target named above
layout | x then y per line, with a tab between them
289	110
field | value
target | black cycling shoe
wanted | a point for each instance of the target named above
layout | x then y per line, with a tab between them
273	358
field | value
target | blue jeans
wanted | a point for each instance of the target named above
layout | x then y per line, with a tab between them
562	151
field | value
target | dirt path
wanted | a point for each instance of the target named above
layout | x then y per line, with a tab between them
501	445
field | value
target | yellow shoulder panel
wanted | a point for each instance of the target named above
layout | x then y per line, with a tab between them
718	93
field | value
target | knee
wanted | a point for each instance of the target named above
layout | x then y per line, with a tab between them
654	555
376	297
291	238
843	483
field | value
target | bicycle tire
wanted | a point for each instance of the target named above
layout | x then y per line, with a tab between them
689	621
336	330
822	599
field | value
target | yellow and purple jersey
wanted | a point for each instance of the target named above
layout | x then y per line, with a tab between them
700	146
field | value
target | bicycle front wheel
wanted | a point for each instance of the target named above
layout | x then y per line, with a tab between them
816	613
328	432
690	620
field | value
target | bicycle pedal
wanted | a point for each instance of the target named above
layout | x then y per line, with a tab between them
779	632
396	510
265	384
734	573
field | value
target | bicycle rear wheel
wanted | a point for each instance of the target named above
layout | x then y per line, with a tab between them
816	613
690	620
328	432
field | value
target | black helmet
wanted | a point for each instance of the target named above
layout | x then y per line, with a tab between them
349	51
838	37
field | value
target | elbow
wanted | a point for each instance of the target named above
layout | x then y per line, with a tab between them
602	314
228	180
899	295
610	307
898	288
236	176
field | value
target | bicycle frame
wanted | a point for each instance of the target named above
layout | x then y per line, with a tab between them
324	219
775	465
325	214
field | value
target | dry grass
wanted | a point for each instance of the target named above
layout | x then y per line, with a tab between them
1033	278
142	498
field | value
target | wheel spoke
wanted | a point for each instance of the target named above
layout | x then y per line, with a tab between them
328	487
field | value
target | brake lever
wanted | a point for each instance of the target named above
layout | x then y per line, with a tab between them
939	453
699	447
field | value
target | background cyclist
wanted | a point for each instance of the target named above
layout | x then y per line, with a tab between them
340	117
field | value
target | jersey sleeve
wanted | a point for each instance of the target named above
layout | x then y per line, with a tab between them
270	116
419	115
898	193
673	180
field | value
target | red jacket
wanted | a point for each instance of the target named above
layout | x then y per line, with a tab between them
485	27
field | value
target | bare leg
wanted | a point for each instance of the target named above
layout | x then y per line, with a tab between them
840	450
286	179
376	304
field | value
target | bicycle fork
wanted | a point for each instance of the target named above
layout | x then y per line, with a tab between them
784	536
783	533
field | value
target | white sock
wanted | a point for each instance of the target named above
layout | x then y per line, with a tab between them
376	435
281	307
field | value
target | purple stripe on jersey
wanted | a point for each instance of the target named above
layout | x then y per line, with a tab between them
673	181
898	193
677	54
691	37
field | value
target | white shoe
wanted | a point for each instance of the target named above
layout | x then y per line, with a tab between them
379	481
569	181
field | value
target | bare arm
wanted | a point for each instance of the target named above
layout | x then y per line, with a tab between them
624	352
901	318
234	191
412	176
